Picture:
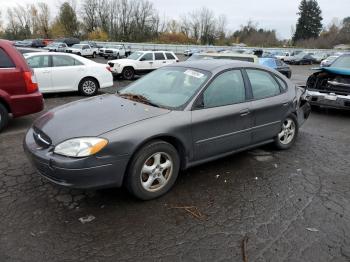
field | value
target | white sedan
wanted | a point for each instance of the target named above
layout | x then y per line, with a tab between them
60	72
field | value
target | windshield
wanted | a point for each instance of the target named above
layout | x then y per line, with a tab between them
77	46
343	61
170	87
135	56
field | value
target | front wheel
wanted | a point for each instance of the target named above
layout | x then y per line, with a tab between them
88	87
153	170
128	73
4	116
288	134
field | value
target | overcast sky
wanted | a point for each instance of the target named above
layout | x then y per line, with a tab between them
270	14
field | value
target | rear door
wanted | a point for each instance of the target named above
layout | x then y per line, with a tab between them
270	104
66	73
41	65
223	121
11	81
159	60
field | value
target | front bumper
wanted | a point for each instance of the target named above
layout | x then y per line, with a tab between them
83	173
329	100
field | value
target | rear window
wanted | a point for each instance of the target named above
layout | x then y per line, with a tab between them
5	60
170	56
159	56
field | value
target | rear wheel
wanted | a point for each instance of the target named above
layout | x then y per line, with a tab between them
88	87
94	55
128	73
288	134
4	116
153	170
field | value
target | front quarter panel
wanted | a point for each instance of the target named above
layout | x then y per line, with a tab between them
127	140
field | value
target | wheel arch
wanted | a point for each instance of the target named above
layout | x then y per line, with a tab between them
174	141
5	104
89	77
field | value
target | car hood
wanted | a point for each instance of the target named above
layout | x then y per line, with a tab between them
93	117
334	70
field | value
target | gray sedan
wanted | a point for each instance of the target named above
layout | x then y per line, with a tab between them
176	117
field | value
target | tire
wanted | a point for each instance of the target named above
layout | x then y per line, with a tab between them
128	73
88	86
79	54
94	55
4	117
159	176
289	133
117	56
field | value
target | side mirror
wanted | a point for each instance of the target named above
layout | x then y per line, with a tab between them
143	59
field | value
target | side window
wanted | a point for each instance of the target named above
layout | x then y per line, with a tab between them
5	60
61	60
159	56
40	61
226	89
263	84
170	56
282	83
147	57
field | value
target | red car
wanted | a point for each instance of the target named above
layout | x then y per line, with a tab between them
19	94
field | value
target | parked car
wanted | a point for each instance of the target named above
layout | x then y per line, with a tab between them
328	61
330	86
62	72
190	52
68	40
92	44
83	50
141	62
230	56
319	57
278	65
47	41
114	51
301	59
19	93
281	55
56	47
177	117
30	43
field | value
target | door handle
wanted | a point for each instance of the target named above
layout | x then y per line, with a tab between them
244	112
46	71
164	62
286	104
151	62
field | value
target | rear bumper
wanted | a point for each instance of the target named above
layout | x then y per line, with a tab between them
26	104
83	173
329	100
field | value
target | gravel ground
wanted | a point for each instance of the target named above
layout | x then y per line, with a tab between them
287	205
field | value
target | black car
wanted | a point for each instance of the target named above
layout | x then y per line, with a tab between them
278	65
174	118
301	59
68	40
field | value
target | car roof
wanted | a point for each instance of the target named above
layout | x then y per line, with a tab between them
233	54
216	65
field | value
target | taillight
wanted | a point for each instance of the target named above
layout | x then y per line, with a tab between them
30	82
109	68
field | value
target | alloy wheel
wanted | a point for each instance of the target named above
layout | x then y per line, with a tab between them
156	171
287	133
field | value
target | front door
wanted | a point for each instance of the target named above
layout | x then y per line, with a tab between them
223	121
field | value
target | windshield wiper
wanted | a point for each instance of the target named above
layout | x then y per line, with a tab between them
137	98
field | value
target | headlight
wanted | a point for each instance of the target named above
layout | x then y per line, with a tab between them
81	147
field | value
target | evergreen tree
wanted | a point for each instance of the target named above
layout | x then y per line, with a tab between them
310	21
67	18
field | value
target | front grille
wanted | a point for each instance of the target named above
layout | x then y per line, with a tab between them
109	52
41	138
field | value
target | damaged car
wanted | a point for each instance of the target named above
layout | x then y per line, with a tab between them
330	86
174	118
